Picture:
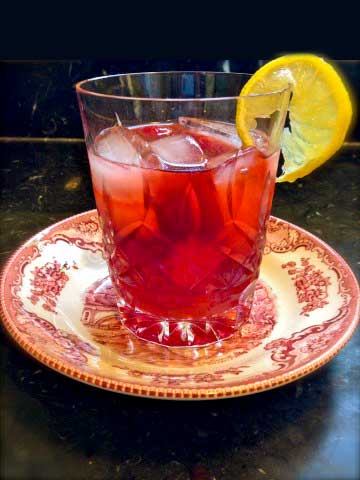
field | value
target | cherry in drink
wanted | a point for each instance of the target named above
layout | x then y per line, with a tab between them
183	208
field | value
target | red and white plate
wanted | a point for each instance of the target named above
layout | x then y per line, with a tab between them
59	306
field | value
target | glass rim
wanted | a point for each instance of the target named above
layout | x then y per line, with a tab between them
79	86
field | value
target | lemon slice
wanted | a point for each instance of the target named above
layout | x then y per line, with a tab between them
320	110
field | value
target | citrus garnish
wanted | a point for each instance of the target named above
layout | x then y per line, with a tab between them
320	110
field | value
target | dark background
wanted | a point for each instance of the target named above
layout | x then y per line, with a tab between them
38	97
52	427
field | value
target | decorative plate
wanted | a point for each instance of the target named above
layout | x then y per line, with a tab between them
59	306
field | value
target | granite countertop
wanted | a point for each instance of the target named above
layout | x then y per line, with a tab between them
53	427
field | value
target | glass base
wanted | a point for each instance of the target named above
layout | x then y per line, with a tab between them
183	333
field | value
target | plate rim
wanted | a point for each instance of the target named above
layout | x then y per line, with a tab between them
168	393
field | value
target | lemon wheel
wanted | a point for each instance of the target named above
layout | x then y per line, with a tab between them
320	110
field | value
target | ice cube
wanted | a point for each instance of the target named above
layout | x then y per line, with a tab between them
226	131
119	144
222	158
179	151
151	160
141	145
262	142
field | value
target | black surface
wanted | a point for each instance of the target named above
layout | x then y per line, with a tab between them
54	428
38	97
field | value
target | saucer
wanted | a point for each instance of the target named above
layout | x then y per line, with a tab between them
58	304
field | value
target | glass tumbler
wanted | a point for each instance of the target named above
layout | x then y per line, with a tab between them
183	201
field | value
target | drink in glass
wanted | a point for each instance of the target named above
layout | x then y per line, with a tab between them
183	204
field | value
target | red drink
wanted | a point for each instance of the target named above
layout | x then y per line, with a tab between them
183	242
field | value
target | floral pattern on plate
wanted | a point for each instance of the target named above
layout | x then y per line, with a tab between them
59	306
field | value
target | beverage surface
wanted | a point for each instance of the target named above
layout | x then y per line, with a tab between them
183	211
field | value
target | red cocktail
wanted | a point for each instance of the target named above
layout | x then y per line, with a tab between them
183	207
183	243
